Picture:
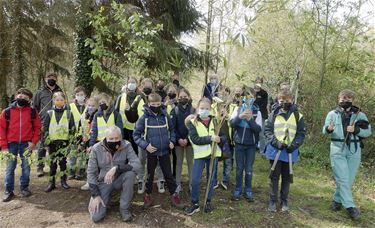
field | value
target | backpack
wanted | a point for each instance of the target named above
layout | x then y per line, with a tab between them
7	116
147	126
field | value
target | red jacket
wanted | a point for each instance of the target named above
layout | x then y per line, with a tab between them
20	126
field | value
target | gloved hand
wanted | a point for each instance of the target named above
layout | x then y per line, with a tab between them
281	145
290	149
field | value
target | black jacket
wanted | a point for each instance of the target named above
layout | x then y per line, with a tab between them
262	102
42	101
178	116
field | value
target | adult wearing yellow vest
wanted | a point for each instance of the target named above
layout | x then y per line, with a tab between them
105	117
202	136
130	105
77	108
285	132
58	128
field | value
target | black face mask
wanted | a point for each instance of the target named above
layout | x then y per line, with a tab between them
160	87
286	106
155	109
346	104
22	102
112	146
147	91
176	82
184	101
238	95
171	95
51	82
103	106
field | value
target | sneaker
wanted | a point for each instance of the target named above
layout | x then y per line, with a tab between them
85	187
249	197
147	201
161	188
353	213
8	196
25	193
216	186
176	201
208	208
40	172
272	206
284	206
141	187
126	216
179	188
236	196
192	210
224	185
336	206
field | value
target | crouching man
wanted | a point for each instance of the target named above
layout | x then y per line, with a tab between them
113	165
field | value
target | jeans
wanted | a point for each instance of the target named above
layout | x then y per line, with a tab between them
16	149
282	168
165	165
198	167
181	152
227	167
245	156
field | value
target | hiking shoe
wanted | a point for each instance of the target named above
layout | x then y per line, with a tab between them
147	201
272	206
192	210
40	172
126	216
208	208
224	185
249	197
51	186
25	193
176	201
64	184
161	188
141	187
284	206
336	206
8	196
353	213
85	187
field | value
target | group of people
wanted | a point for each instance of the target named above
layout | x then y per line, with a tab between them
117	144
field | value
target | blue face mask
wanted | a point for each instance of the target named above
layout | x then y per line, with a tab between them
203	113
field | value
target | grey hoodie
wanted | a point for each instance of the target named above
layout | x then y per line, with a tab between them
101	161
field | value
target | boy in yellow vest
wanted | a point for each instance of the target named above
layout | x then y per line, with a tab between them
58	128
77	108
285	132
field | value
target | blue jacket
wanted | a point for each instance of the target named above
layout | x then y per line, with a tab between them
94	128
246	132
157	137
271	149
178	116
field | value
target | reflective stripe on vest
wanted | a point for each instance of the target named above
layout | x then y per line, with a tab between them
102	125
76	114
59	131
123	102
202	151
158	126
282	126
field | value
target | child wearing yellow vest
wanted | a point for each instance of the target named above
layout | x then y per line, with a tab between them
202	136
58	128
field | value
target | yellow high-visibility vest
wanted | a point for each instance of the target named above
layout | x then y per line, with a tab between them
76	114
102	125
58	130
202	151
285	130
123	102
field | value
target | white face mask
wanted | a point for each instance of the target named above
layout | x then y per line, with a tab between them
132	86
80	99
203	113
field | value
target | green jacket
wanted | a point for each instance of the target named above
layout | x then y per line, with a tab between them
338	134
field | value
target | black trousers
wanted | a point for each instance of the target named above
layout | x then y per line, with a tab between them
58	157
165	165
128	135
174	160
281	169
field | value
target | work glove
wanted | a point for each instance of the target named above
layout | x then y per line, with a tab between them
281	145
290	149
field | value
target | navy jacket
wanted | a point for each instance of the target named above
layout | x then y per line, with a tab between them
208	91
99	113
157	137
178	116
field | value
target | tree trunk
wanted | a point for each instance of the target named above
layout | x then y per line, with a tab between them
4	58
18	61
324	51
208	40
